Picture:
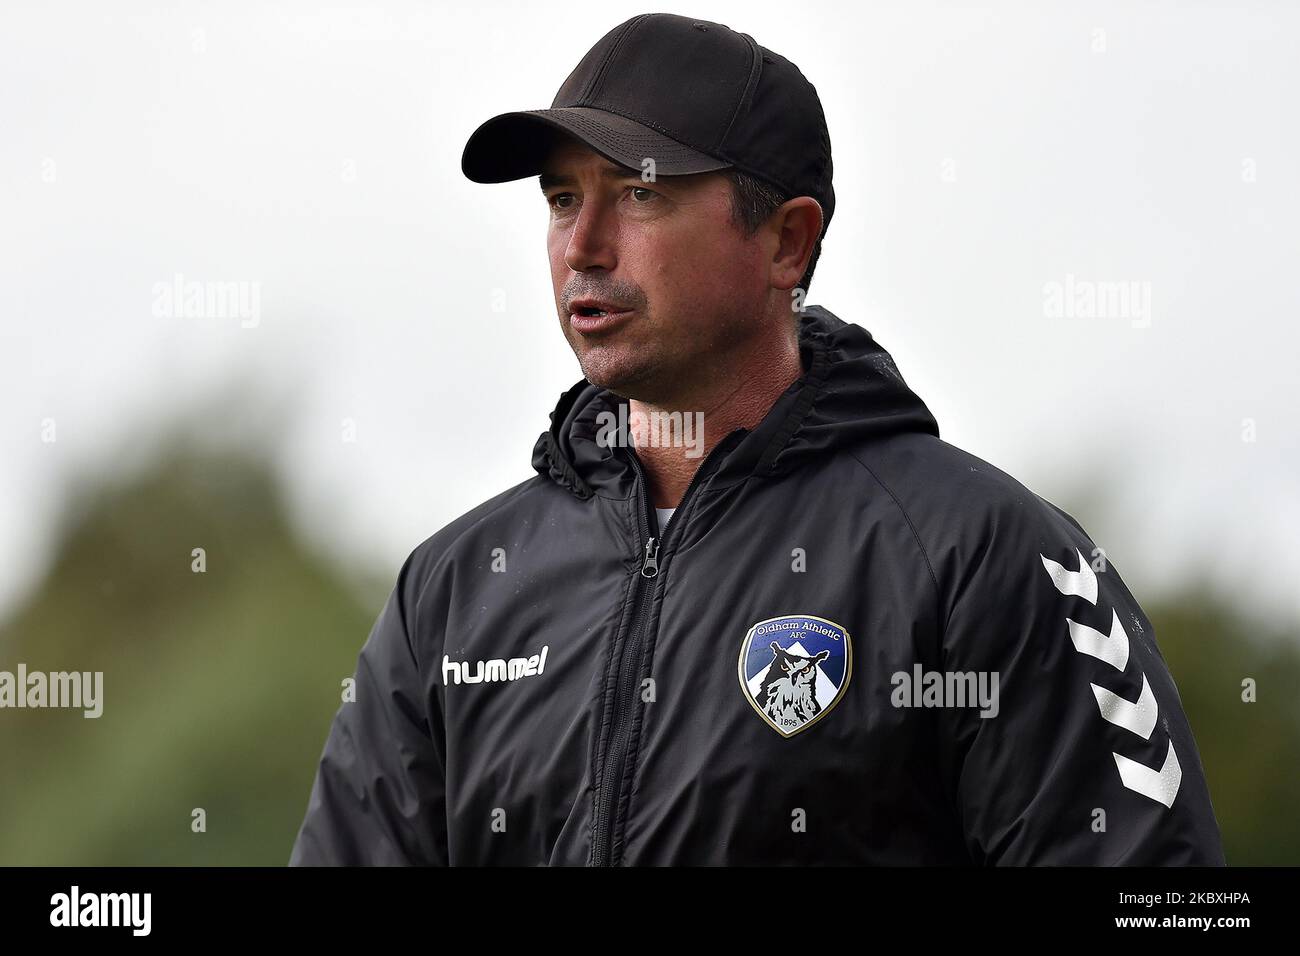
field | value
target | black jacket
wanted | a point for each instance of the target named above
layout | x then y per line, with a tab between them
760	684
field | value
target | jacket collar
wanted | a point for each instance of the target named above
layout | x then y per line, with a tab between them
850	391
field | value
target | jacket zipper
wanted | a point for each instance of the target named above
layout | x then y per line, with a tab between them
614	764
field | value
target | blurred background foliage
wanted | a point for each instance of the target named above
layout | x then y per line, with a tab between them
219	687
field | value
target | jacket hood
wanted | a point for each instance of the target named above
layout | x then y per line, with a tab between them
850	391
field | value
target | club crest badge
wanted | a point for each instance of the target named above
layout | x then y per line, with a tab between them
794	669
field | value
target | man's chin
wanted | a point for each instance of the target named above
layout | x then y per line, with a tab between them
624	386
624	378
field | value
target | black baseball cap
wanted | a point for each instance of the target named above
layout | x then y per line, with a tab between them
690	94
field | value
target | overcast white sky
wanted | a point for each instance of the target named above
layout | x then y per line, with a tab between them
981	153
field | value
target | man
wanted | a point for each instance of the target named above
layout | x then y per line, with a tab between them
814	634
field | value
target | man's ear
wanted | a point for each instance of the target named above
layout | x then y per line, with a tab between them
798	223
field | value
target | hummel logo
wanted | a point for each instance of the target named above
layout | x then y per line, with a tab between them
493	670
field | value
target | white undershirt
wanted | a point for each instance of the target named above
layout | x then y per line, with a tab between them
664	515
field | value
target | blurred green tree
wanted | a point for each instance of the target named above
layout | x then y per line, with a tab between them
218	686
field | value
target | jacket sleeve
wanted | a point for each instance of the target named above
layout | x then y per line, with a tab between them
1089	759
379	794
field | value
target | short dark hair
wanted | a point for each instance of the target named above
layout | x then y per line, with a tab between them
752	203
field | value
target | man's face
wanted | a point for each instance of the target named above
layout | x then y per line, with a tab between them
681	285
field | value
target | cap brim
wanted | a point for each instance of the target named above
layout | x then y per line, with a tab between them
515	145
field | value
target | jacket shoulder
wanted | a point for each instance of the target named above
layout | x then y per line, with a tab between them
444	545
965	511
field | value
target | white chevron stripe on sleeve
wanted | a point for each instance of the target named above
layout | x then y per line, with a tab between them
1111	648
1161	787
1082	583
1140	717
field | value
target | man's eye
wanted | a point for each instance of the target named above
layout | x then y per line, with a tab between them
649	194
556	202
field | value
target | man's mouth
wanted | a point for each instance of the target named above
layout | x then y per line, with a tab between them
592	306
588	316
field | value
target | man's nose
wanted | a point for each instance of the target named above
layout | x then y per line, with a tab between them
593	240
